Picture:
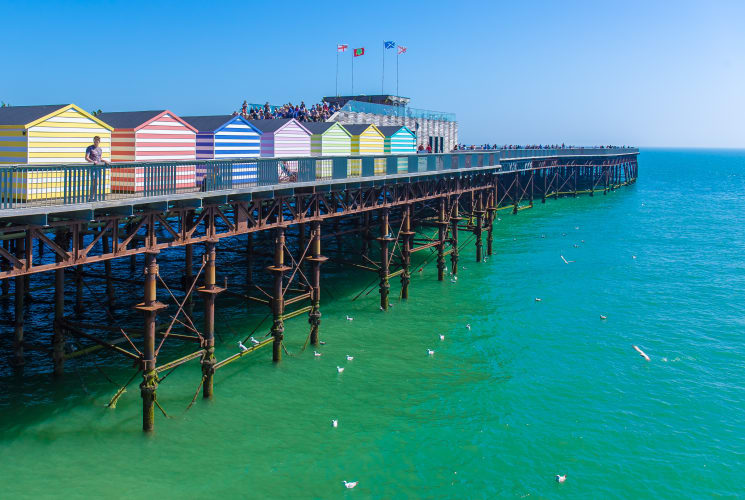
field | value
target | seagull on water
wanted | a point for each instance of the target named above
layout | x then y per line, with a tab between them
322	342
254	341
335	423
537	299
339	369
317	354
576	227
641	353
633	256
349	358
349	318
430	352
242	347
454	280
442	337
576	245
350	485
602	316
561	479
389	235
566	261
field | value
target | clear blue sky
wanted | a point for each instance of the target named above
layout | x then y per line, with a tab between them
628	72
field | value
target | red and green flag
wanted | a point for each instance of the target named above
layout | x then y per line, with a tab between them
359	52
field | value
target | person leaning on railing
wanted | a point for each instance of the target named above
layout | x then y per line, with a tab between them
94	154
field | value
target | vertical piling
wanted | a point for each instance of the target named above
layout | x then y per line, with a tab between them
316	259
58	340
20	295
150	307
79	279
188	278
5	265
479	211
442	224
406	234
107	271
455	220
209	291
384	270
278	301
516	198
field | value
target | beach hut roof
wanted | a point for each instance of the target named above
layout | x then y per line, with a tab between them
29	116
214	123
358	128
391	130
274	125
321	127
138	119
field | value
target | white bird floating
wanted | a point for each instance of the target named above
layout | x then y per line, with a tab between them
453	280
537	299
561	479
242	347
349	318
602	316
633	256
576	227
641	353
339	369
389	235
350	485
566	261
317	354
442	337
349	358
576	245
468	325
430	352
335	423
322	342
254	341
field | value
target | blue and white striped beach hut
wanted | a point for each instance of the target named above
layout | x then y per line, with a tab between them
226	136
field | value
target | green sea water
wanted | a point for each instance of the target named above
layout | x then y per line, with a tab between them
533	389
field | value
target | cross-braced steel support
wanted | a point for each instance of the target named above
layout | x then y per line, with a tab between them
209	291
150	307
316	259
406	234
384	238
278	301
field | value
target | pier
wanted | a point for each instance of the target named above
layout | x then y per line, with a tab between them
77	225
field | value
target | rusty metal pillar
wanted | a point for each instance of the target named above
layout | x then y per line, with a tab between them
479	225
20	295
209	292
384	271
491	212
407	234
516	199
532	186
442	230
278	300
107	271
366	237
58	340
188	278
455	220
316	259
606	172
150	307
79	279
4	266
575	175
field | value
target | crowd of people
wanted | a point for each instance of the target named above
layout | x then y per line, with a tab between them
472	147
316	113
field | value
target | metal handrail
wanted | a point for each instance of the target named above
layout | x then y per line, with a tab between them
23	186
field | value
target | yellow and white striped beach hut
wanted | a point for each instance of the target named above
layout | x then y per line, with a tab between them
50	134
367	139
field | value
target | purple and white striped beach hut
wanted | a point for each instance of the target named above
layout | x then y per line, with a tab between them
283	138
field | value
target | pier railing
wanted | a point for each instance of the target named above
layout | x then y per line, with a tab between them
24	186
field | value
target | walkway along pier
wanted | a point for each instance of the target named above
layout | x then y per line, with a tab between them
65	219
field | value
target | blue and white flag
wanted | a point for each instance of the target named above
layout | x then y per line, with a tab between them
390	45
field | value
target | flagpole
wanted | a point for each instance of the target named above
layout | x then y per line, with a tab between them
397	54
353	58
382	82
337	71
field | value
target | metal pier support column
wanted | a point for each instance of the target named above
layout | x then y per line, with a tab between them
278	301
58	340
455	219
384	239
366	234
188	278
150	306
516	199
5	265
407	234
479	211
250	259
209	291
107	272
20	295
316	259
441	233
79	280
491	212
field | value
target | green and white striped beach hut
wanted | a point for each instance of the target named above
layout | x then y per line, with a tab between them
329	139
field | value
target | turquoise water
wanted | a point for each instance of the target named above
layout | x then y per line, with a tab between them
534	389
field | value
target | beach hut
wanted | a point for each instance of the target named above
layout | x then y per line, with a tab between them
226	136
283	137
151	136
367	139
399	140
328	139
57	133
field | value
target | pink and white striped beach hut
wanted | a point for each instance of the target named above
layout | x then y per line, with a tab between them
150	136
284	137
